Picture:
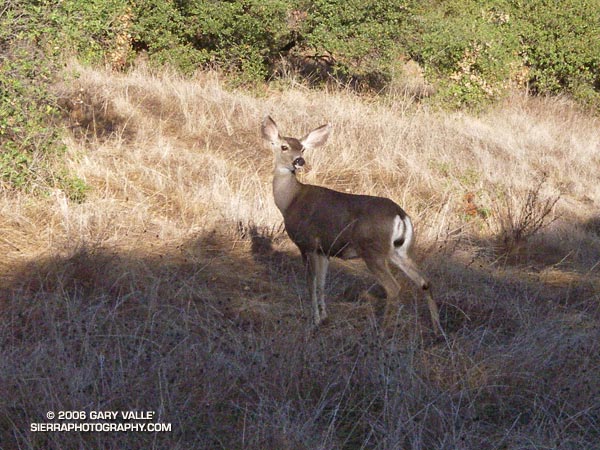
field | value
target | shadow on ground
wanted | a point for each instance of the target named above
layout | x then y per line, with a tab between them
213	336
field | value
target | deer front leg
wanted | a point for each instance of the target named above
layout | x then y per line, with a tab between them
312	265
316	269
322	265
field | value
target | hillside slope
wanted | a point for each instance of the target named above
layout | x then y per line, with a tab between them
173	288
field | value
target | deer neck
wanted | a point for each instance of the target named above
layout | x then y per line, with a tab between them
285	188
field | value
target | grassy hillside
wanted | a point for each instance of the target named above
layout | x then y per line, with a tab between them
173	287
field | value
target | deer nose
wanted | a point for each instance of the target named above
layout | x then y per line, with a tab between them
298	162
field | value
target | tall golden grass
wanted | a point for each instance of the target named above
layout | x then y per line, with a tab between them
173	287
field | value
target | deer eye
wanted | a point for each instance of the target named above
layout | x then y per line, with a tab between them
284	148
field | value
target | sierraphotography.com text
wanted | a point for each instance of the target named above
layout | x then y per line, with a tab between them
101	421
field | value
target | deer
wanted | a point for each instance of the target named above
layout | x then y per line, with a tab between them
325	223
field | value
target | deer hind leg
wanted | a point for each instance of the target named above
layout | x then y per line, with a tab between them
317	265
379	267
403	261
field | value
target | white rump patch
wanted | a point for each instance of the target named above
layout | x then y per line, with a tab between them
398	229
408	237
403	230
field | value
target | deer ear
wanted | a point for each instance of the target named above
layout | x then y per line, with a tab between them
316	137
269	130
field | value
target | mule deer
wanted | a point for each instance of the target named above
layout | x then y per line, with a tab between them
325	223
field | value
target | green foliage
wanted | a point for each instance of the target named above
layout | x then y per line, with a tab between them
14	166
248	38
73	187
26	113
30	142
159	28
88	27
360	35
561	45
468	49
474	50
242	36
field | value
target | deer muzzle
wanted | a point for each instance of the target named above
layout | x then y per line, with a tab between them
298	162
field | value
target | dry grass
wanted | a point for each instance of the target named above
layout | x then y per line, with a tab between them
174	289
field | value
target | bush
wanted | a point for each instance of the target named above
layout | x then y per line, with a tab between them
472	50
475	50
521	216
242	36
355	39
468	48
561	46
29	137
159	28
359	36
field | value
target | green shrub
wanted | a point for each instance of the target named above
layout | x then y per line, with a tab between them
561	46
469	49
30	141
159	28
248	38
450	29
86	29
360	36
242	36
474	50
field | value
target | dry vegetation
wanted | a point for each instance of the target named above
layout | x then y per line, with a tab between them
173	287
